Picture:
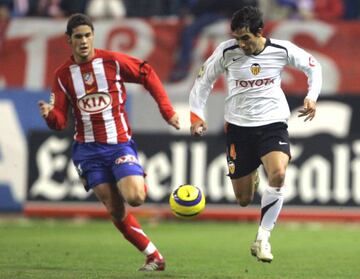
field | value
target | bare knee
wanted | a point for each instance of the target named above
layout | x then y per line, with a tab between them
136	198
243	189
132	189
277	177
243	200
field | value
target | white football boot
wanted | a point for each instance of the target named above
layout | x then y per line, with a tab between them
261	249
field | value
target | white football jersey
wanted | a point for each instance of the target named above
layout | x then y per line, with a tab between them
254	96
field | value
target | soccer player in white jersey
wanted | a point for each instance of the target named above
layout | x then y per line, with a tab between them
256	112
91	81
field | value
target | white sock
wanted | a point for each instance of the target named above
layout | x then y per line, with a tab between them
150	248
271	204
263	234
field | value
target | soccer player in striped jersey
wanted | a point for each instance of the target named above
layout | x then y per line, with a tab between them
92	81
256	112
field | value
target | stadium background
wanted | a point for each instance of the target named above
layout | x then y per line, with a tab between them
36	174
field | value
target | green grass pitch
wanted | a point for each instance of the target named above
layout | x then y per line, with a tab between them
196	249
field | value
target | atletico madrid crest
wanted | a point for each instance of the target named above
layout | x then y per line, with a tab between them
88	78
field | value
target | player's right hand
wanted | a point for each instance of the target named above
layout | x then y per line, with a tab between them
198	128
174	121
44	108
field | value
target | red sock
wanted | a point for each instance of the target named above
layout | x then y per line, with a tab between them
132	231
156	255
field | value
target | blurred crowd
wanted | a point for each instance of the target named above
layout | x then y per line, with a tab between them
194	15
273	9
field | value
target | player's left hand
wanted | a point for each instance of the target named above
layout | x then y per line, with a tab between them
309	110
174	121
198	128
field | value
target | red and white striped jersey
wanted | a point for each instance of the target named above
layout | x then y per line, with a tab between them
97	94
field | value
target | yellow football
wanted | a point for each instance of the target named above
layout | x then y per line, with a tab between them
187	201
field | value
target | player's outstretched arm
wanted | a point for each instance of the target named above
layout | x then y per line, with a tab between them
309	110
174	121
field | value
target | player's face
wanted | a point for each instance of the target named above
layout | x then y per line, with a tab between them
82	43
248	42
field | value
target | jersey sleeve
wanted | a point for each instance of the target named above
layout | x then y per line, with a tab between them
57	118
305	62
208	74
137	71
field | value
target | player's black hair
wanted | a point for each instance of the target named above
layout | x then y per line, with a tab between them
248	17
76	20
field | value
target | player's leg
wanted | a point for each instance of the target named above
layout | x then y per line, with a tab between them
275	157
127	224
108	194
245	187
275	164
243	162
129	175
133	189
96	175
